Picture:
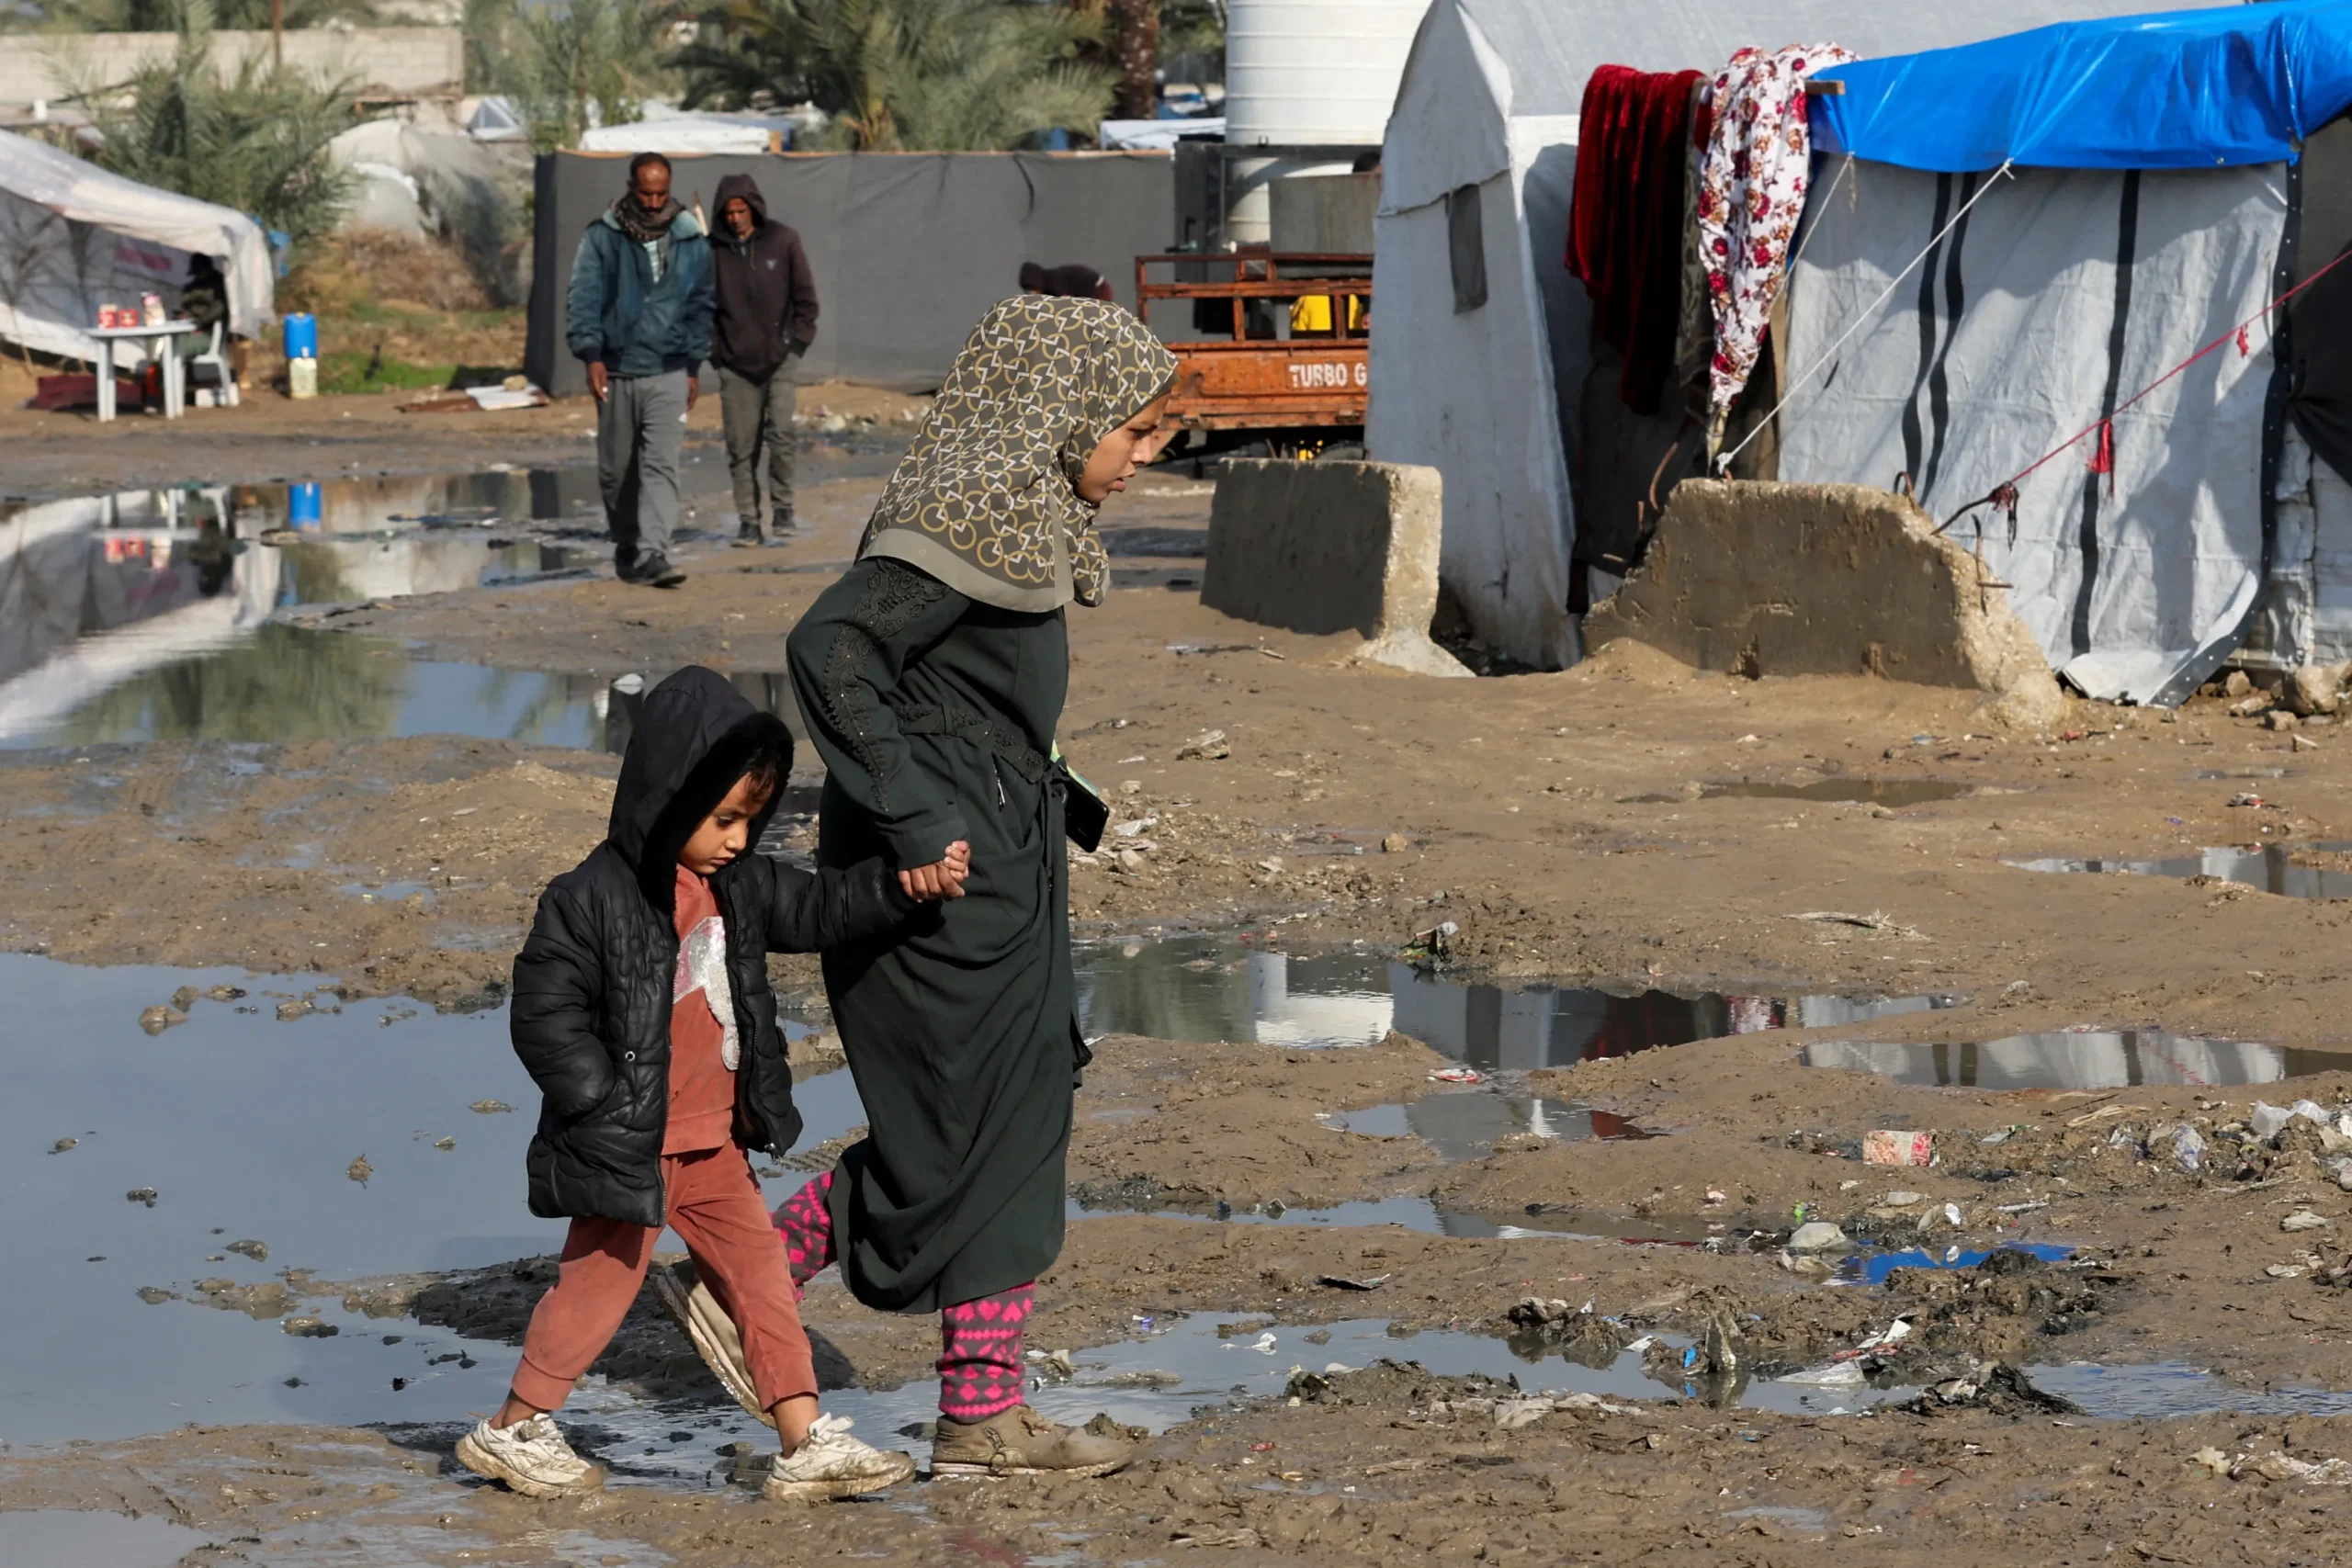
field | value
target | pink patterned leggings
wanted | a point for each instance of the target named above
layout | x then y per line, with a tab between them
979	1341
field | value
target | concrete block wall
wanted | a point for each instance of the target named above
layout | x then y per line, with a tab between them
47	67
1768	579
1331	547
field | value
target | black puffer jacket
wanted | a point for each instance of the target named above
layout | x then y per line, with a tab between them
590	1011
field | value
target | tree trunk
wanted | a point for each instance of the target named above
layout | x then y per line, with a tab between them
1137	46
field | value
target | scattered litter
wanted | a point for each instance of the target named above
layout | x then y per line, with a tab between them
2213	1460
1340	1282
141	1195
1873	921
2023	1208
1884	1147
359	1170
1395	843
257	1250
2105	1113
1456	1075
1210	745
2286	1467
1836	1374
1512	1415
2302	1219
62	1145
1900	1199
1817	1236
157	1019
489	1107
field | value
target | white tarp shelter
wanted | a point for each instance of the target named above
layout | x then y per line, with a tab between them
2071	292
1479	166
73	235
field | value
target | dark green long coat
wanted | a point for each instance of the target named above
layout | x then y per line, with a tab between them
935	715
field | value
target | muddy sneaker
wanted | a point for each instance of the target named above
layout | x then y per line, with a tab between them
832	1464
1022	1442
653	571
749	538
529	1457
698	1312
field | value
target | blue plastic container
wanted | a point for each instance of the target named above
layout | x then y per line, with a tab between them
305	506
301	336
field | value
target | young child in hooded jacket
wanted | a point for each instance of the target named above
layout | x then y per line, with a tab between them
642	1009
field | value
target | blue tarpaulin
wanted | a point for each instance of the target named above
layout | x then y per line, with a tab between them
2179	90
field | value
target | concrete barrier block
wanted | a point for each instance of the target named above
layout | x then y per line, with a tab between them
1768	579
1332	547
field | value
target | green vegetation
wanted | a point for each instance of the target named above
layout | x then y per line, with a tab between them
254	138
916	74
351	371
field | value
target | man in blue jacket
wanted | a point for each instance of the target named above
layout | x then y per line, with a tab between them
638	313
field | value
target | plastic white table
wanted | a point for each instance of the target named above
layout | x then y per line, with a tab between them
174	372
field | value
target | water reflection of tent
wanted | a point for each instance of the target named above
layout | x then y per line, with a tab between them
72	235
128	569
2089	1059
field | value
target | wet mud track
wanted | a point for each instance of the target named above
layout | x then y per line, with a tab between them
1707	936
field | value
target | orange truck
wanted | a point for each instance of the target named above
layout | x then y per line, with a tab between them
1277	343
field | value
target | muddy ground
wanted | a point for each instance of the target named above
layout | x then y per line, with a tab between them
1558	822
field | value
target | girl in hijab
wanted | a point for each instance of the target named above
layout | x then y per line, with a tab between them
931	676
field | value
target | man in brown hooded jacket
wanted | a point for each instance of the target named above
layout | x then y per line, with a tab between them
766	317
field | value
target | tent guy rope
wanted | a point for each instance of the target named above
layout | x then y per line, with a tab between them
2005	494
1722	464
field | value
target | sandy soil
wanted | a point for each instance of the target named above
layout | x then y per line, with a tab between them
1558	822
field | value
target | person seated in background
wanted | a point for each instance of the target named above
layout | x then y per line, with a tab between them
1070	282
204	299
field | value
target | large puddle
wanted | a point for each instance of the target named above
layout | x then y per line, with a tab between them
282	683
2268	868
2078	1059
1210	988
146	615
246	1129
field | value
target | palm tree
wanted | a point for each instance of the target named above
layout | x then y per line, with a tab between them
570	64
254	138
930	74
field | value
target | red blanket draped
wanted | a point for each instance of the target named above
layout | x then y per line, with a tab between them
1626	229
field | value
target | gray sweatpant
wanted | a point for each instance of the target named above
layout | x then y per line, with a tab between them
757	411
640	429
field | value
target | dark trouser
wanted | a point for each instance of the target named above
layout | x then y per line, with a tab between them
756	412
640	430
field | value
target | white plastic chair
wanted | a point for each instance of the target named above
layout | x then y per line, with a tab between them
223	377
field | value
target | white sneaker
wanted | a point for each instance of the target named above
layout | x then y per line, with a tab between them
530	1457
832	1464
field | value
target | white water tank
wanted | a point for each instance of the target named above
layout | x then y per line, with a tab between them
1306	72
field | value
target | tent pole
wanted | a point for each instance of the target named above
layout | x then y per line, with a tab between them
278	34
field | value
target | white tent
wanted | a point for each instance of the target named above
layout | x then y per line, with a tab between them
1480	165
72	236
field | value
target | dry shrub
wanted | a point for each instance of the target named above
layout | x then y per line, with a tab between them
361	266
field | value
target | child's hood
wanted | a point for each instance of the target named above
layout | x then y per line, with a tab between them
693	735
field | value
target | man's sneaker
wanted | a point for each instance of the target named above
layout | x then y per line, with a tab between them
529	1457
832	1464
698	1312
749	538
1019	1441
653	571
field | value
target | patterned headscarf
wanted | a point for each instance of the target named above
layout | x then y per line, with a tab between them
985	499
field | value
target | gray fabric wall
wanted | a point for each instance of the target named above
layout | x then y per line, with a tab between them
909	249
